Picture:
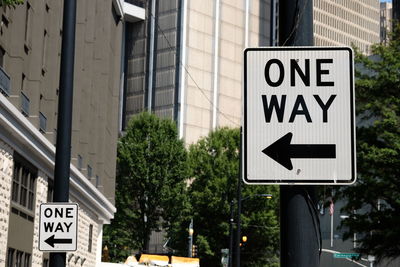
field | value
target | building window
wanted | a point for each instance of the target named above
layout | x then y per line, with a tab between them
27	261
89	172
2	53
28	22
90	238
42	122
44	51
23	188
10	257
18	259
25	103
97	181
80	162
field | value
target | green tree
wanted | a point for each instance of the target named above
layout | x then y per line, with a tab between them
214	161
376	194
12	3
150	185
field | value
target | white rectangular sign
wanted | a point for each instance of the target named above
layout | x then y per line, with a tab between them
299	116
58	227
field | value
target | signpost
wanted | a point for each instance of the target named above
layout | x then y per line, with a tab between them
58	227
299	116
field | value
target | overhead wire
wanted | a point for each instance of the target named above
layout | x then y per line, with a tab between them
297	19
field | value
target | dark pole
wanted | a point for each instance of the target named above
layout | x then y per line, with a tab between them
64	119
239	193
230	236
299	233
272	22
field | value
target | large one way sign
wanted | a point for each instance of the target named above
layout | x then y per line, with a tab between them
299	116
58	227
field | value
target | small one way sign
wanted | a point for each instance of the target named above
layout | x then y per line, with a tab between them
58	227
299	119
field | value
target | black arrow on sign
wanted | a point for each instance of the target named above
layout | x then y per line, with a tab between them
51	241
282	151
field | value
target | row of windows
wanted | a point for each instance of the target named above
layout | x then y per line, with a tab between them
370	11
342	27
89	171
322	41
23	187
17	258
351	24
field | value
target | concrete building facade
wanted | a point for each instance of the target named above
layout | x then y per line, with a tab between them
30	49
386	18
185	61
346	22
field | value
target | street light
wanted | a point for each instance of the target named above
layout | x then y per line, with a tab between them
238	231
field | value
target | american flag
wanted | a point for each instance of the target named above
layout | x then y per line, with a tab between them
331	208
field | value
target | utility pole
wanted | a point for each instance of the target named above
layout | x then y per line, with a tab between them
239	197
64	119
299	233
230	235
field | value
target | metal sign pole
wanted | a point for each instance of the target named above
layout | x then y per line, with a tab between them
299	233
64	120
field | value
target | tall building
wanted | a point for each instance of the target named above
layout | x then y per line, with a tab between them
347	22
185	61
385	21
30	46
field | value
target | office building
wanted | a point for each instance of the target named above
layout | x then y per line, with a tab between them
30	46
385	21
185	61
347	22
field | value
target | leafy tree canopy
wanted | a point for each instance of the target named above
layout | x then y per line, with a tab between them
150	185
214	162
12	3
376	194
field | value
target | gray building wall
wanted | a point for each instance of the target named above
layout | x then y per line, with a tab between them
30	37
30	42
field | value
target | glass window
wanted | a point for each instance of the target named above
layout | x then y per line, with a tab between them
27	262
10	257
15	186
80	162
18	259
23	187
90	238
89	171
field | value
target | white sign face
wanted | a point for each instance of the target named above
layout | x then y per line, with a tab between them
58	227
299	125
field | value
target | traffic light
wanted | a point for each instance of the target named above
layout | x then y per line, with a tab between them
194	251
